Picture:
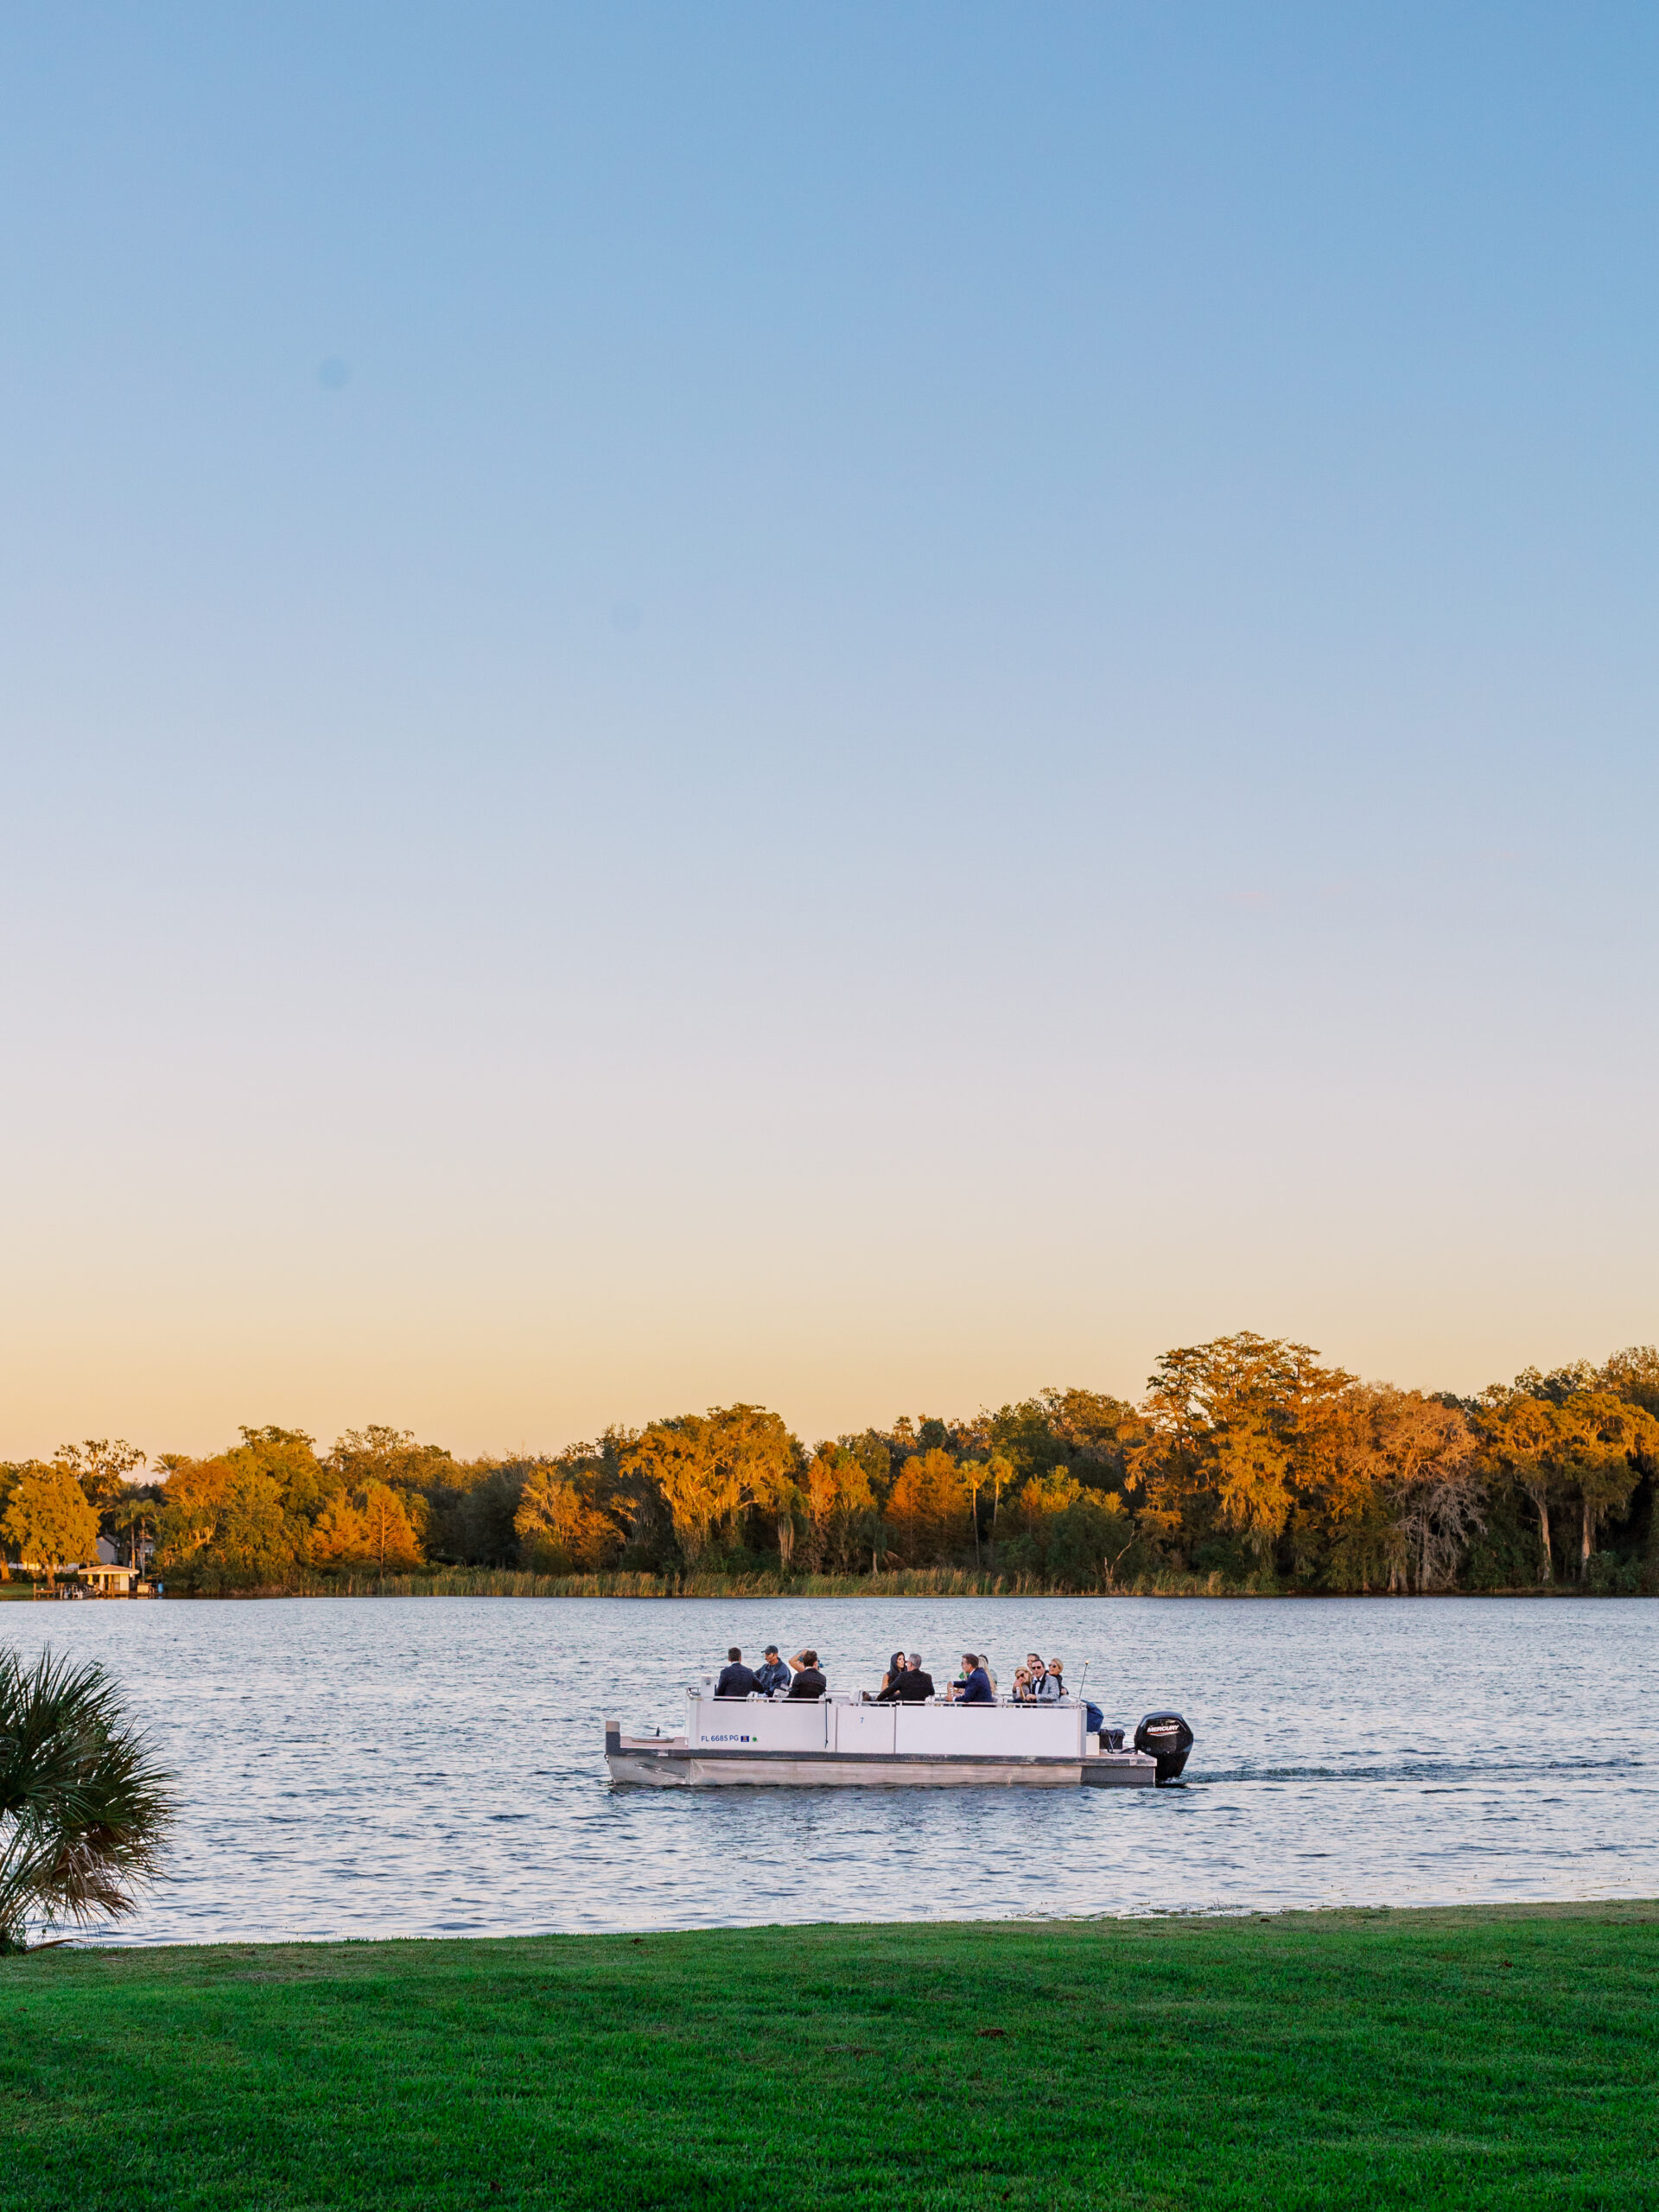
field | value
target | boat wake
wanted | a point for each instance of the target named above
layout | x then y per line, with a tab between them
1440	1770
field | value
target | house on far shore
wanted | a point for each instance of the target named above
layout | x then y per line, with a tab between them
105	1573
113	1580
109	1572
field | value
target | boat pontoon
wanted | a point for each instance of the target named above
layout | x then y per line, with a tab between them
839	1740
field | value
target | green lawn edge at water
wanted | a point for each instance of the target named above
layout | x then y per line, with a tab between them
1477	2057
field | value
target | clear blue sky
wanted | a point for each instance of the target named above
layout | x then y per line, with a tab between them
858	707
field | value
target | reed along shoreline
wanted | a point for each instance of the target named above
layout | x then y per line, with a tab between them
1501	2055
920	1582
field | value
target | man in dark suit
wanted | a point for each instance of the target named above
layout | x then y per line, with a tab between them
735	1680
910	1687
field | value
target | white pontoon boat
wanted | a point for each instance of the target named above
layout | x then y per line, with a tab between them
841	1740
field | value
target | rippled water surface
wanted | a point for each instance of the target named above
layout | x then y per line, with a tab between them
434	1766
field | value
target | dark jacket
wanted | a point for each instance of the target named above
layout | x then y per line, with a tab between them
911	1687
977	1690
808	1683
771	1674
736	1681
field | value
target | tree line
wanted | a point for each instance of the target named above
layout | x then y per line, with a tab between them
1247	1465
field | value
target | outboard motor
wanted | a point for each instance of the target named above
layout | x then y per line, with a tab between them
1167	1737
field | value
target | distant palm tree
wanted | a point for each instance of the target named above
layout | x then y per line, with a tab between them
135	1514
84	1807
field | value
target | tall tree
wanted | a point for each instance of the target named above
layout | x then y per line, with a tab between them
561	1529
391	1541
1432	1478
134	1518
380	1454
255	1542
1040	1500
927	1515
1559	1444
1082	1430
875	1454
224	1527
840	1506
1633	1374
191	1501
340	1535
50	1521
288	1457
1526	1440
1224	1433
101	1465
710	1468
1609	1446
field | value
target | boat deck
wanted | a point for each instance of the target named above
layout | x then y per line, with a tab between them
841	1741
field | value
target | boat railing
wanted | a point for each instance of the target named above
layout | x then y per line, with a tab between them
867	1697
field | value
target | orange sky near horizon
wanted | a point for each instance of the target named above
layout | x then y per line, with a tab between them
636	1296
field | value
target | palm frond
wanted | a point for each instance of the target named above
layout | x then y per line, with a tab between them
85	1809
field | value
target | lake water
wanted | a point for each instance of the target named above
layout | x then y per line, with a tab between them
434	1766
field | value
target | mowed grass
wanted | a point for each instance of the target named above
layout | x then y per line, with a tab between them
1478	2057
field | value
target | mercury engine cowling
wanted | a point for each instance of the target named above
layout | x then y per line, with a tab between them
1167	1737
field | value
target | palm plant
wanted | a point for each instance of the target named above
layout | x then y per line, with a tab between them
84	1807
134	1515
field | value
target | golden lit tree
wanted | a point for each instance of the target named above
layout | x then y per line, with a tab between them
928	1516
255	1541
1609	1445
390	1541
1041	1499
708	1469
840	1506
1430	1476
1587	1446
1223	1439
1343	1527
192	1499
340	1535
560	1529
1526	1439
49	1520
224	1524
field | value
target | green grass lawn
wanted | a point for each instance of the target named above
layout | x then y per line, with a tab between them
1473	2057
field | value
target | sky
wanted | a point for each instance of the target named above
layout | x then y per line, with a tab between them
855	707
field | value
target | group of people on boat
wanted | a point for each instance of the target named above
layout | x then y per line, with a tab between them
800	1677
906	1681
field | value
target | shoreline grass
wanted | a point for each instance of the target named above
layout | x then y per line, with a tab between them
918	1582
1491	2056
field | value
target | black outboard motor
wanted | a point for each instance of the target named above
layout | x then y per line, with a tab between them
1167	1737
